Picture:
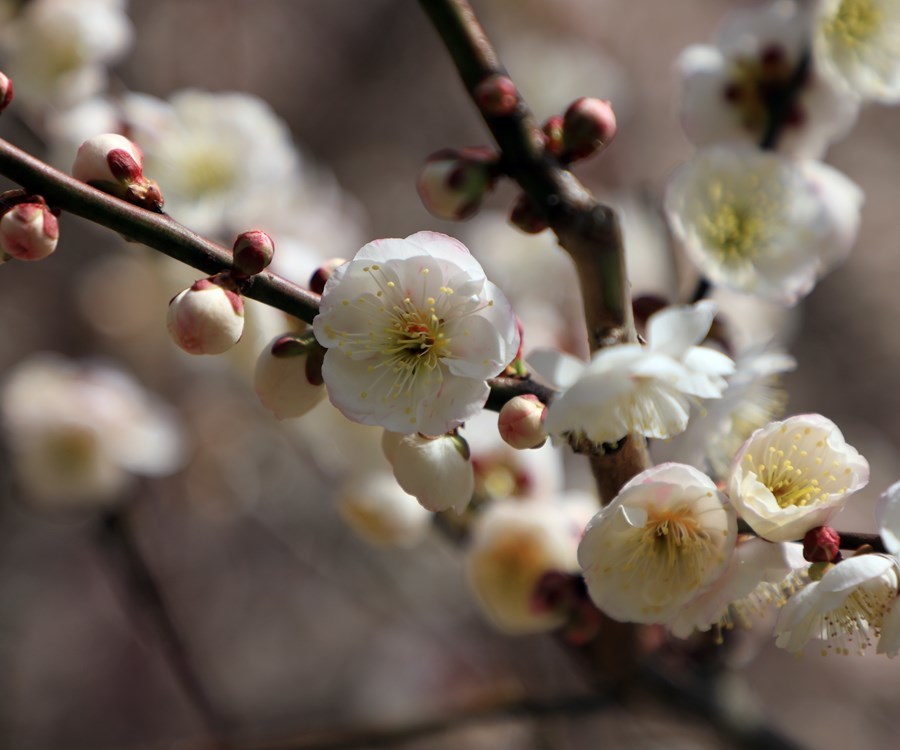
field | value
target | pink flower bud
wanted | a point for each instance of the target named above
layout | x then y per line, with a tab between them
553	135
453	182
288	377
113	164
527	216
821	545
253	252
6	91
497	96
521	422
321	275
29	231
588	126
208	318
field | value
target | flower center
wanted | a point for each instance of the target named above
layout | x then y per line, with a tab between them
672	549
798	471
859	617
757	84
206	171
855	23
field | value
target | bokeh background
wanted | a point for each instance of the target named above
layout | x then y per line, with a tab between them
292	622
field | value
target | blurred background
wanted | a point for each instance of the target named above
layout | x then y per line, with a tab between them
291	621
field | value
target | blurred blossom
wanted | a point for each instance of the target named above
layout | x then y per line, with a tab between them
79	431
760	224
855	43
57	50
379	511
732	88
514	544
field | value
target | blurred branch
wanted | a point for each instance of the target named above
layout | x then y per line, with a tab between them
163	233
118	542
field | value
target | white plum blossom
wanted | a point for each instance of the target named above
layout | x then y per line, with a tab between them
761	224
760	575
732	88
57	50
413	330
513	544
634	388
856	43
667	536
378	510
888	517
846	608
78	432
436	471
794	475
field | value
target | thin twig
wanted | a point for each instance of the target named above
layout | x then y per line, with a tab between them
117	540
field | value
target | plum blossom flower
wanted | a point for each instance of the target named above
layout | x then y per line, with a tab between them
731	89
760	224
78	432
667	536
794	475
635	388
514	544
855	43
413	330
846	608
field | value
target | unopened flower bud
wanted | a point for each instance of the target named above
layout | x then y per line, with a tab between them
437	471
321	275
588	126
821	545
253	252
453	182
29	231
113	164
521	422
208	318
527	216
288	377
497	96
553	135
6	91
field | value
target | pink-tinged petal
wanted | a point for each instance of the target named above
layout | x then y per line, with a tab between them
391	248
680	475
674	330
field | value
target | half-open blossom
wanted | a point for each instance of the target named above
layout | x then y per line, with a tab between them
288	376
734	89
413	330
758	223
855	43
635	388
514	544
846	608
760	575
436	471
794	475
666	536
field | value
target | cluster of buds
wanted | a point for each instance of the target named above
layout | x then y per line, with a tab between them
29	230
454	182
587	127
288	377
113	164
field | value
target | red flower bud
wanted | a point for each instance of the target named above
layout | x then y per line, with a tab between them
821	545
253	252
588	126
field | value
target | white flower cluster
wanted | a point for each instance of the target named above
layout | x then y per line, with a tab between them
788	79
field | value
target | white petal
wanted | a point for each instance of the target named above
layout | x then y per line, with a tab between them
674	329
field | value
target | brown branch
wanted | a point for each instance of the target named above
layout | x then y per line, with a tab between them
163	233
